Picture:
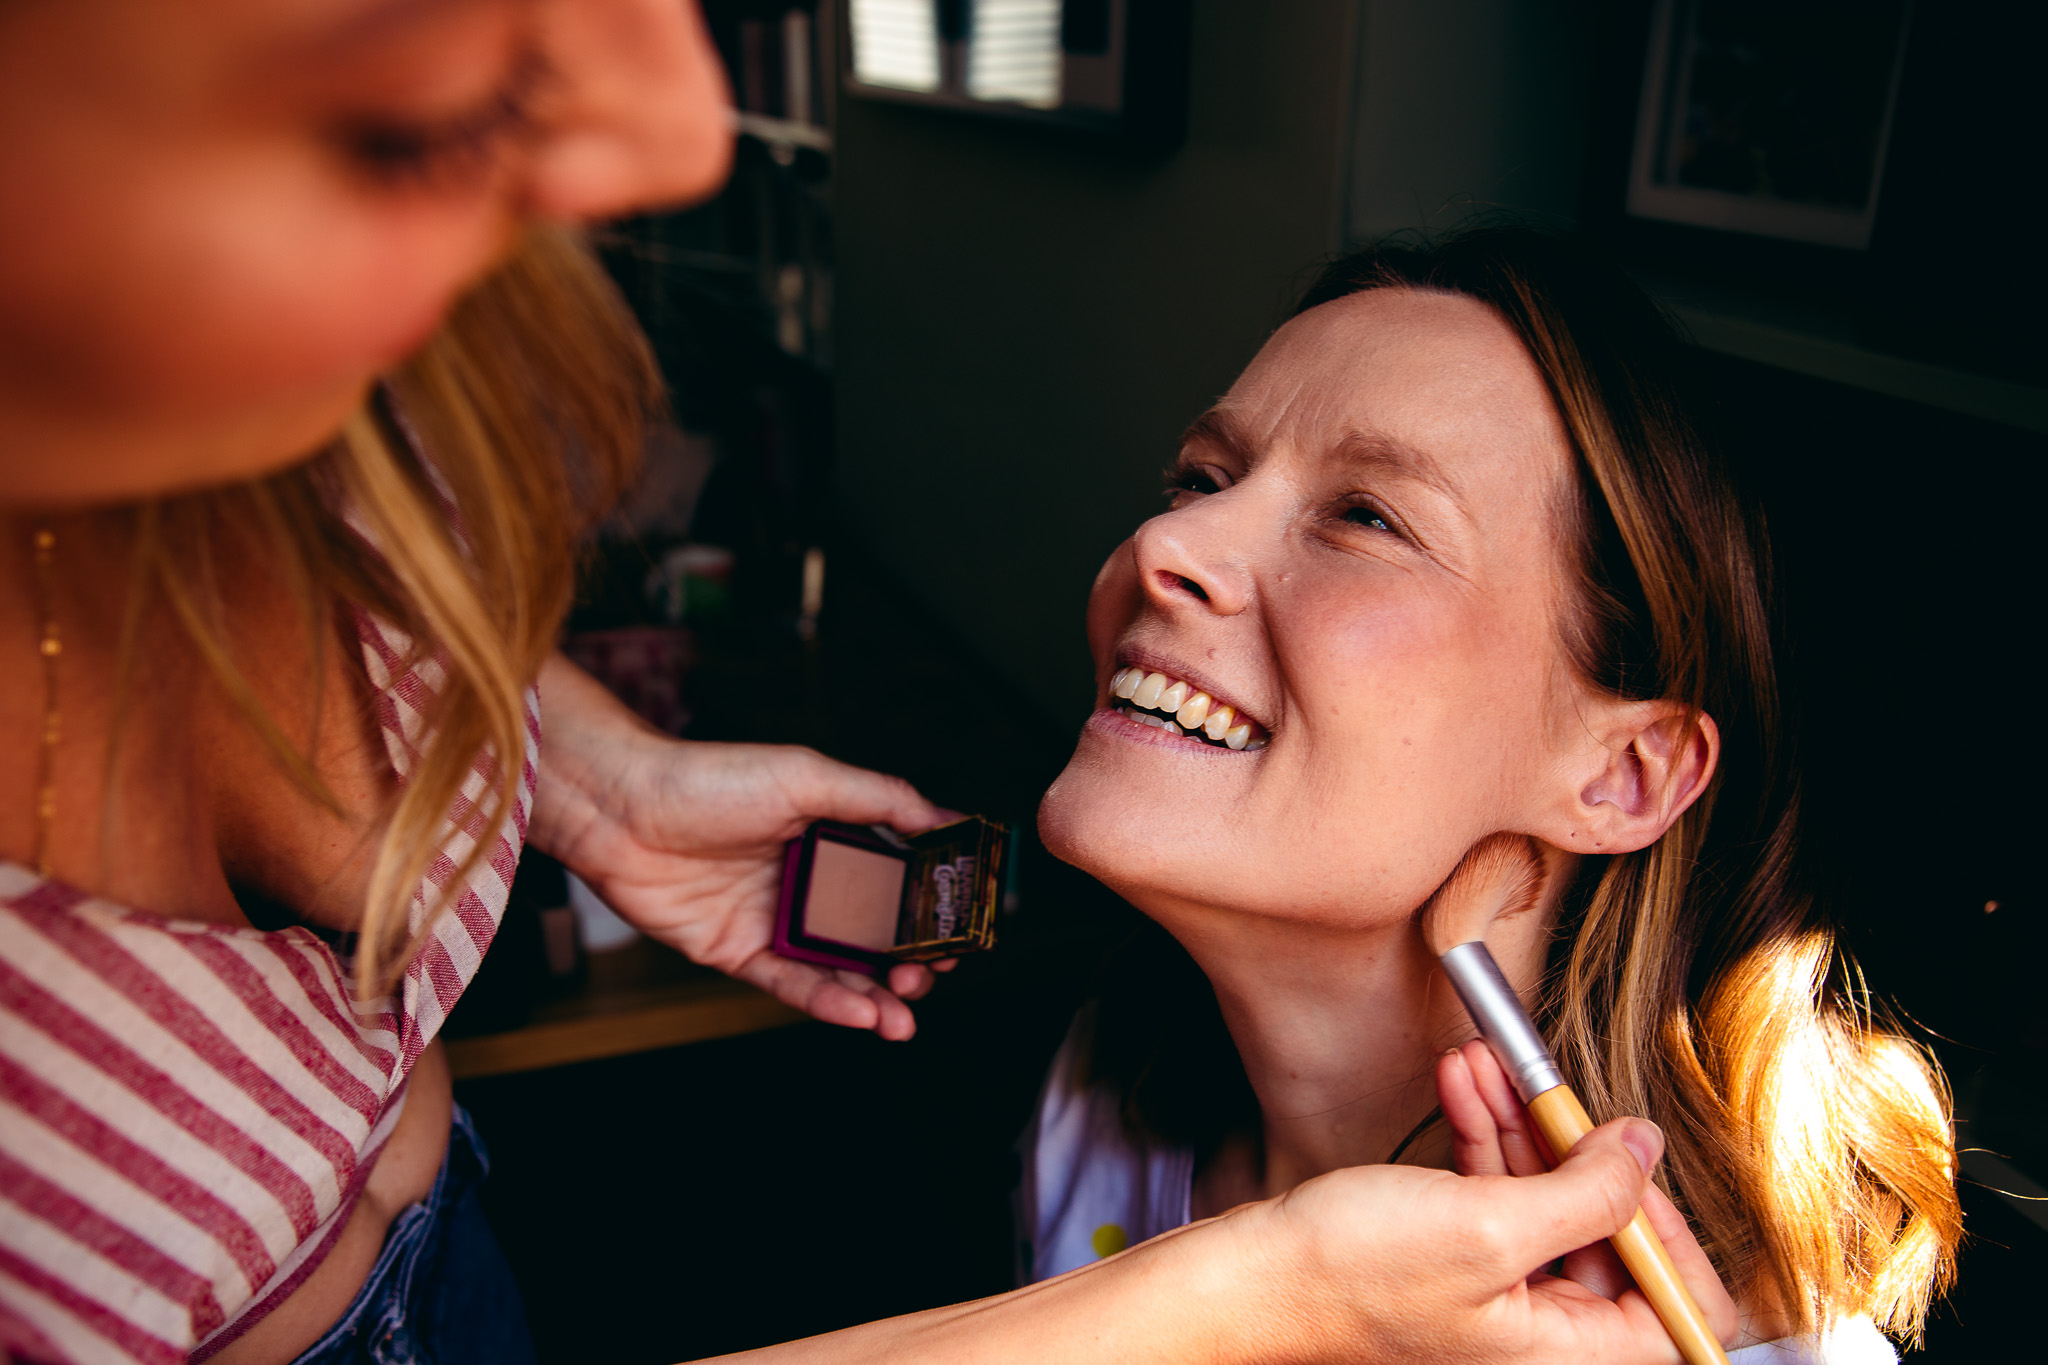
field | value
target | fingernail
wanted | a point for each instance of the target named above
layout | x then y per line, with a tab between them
1646	1140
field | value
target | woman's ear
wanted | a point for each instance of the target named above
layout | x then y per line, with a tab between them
1643	764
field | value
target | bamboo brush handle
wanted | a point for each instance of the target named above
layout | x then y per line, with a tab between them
1563	1121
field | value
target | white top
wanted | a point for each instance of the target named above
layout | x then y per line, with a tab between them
1089	1189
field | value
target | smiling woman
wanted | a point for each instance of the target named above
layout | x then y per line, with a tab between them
1451	550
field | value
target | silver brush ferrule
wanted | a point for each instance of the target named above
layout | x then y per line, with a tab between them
1502	1021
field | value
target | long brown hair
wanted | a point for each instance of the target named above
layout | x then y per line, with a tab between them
1696	982
529	405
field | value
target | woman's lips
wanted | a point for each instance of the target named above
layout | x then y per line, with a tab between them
1179	710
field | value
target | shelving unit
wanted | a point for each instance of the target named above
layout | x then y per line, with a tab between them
736	296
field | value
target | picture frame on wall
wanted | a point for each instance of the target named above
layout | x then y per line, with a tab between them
1769	117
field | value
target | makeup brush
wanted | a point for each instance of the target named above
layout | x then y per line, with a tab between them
1504	876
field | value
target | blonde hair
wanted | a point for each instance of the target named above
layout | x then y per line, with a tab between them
529	405
1695	982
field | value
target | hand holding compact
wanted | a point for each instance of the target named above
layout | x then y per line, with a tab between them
685	841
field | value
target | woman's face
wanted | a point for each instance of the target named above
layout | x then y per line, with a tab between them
220	219
1363	559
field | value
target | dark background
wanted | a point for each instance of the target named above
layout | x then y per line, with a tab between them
1023	324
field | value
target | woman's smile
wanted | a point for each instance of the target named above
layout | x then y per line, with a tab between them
1177	708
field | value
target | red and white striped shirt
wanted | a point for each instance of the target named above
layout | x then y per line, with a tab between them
188	1111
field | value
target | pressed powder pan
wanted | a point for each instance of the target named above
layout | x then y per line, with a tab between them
861	899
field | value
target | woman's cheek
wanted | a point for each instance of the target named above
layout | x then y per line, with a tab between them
368	291
1412	701
306	289
1112	602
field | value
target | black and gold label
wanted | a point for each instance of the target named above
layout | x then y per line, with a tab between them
954	887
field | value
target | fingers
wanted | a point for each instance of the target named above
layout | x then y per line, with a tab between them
1571	1324
1599	1270
1492	1135
843	998
1592	1194
1693	1266
1475	1140
893	1019
1595	1266
826	789
1491	1131
911	980
1633	1321
1521	1145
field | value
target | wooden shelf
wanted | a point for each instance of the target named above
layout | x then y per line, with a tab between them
636	999
1812	340
1844	362
782	132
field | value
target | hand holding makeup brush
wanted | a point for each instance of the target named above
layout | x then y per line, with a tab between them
1493	1135
1500	878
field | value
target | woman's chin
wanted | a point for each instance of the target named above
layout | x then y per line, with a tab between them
1172	828
1134	811
114	460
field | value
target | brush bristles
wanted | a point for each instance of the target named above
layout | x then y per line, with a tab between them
1501	875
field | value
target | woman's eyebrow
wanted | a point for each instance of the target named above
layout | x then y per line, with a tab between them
1219	427
1376	452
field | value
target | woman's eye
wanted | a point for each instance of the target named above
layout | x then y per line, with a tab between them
1368	517
1201	478
407	151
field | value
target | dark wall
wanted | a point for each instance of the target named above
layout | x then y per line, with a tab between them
1465	106
1026	325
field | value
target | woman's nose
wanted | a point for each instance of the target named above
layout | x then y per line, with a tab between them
1196	557
638	115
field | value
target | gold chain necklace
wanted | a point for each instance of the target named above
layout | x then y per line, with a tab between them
50	647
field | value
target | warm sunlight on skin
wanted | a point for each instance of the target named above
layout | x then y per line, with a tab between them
1364	558
220	219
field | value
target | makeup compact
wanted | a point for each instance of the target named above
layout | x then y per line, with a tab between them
862	899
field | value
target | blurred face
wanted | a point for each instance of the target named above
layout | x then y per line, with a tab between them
1362	562
220	219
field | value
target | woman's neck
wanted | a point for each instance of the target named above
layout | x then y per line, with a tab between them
1339	1030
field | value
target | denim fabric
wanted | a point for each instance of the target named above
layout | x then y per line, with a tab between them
441	1292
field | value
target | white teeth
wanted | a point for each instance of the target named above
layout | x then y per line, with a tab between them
1256	745
1191	710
